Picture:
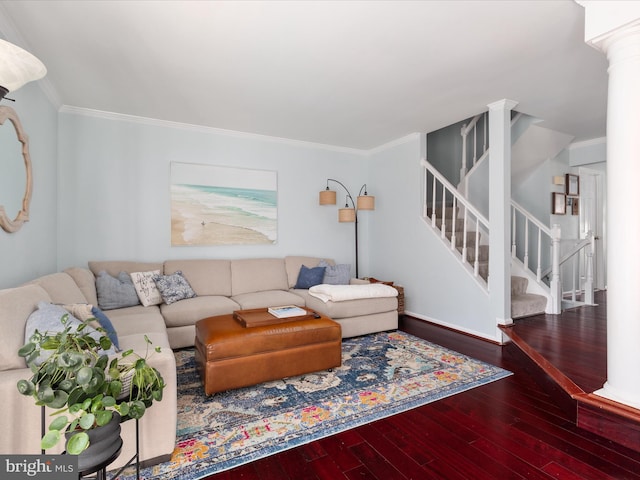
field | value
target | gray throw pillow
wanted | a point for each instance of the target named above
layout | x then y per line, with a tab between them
47	318
173	287
115	292
336	274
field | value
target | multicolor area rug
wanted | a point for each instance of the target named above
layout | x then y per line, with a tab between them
381	375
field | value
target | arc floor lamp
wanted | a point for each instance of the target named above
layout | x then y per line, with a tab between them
348	213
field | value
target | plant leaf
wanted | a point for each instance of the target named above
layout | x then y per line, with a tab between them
103	417
26	387
50	439
26	349
59	423
84	376
87	421
78	443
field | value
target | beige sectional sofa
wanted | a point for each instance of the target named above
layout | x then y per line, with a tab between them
222	286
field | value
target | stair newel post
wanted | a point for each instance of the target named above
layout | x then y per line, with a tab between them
588	283
463	168
513	232
453	224
475	143
555	286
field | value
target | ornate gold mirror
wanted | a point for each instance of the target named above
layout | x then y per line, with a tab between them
15	172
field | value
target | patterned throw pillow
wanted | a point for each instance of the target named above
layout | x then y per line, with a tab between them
173	287
146	288
309	277
115	292
336	274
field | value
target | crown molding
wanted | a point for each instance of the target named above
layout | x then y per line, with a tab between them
88	112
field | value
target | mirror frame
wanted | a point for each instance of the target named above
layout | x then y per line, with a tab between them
23	215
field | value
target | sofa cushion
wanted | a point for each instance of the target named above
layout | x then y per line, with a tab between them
188	312
115	267
293	263
173	287
206	276
336	274
268	298
86	282
16	304
146	287
258	275
115	292
309	277
61	288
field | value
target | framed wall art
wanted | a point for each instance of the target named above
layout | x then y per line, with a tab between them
558	203
214	205
572	185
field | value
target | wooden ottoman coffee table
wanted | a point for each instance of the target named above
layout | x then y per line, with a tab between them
230	355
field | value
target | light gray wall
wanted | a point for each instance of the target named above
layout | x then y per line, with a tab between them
114	190
31	251
404	249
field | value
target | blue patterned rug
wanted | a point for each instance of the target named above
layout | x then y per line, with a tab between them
381	375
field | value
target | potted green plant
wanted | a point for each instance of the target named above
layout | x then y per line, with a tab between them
86	388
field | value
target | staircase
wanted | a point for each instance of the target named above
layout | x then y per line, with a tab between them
522	303
455	213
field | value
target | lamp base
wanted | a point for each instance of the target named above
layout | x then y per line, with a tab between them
3	92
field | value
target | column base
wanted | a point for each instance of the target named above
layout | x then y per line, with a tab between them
610	393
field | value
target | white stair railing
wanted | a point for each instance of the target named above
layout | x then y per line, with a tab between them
536	246
443	203
464	132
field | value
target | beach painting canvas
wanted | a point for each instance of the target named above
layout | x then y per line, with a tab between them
212	205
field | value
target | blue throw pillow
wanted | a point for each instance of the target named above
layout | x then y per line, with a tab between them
308	277
105	323
336	274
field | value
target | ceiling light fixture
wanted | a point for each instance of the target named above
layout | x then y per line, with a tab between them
17	67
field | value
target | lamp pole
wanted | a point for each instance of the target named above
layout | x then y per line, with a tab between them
367	205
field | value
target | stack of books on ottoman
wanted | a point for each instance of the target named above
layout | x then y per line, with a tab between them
269	316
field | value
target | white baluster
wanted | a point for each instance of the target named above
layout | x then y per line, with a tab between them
464	238
539	269
443	226
453	224
513	232
526	243
433	204
475	143
463	169
476	265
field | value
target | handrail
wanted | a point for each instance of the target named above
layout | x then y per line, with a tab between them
449	185
456	200
531	218
576	249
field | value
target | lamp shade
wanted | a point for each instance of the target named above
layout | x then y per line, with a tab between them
327	197
366	202
347	214
17	67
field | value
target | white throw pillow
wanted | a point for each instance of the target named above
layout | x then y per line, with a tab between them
146	288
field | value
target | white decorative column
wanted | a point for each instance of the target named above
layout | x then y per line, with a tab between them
615	30
499	210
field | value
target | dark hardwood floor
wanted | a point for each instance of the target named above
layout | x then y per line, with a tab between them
519	427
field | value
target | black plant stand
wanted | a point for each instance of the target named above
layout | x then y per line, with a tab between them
100	469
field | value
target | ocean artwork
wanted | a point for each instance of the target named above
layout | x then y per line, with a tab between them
213	205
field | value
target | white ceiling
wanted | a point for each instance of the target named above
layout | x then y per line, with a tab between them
354	74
